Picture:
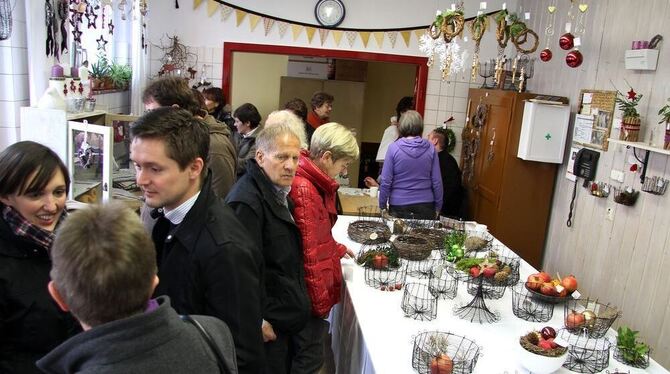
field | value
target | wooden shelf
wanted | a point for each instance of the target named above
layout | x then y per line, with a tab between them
640	145
80	115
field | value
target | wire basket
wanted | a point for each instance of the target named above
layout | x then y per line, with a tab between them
418	302
422	269
445	352
655	185
390	279
369	231
589	317
412	247
442	282
528	308
626	196
641	363
586	354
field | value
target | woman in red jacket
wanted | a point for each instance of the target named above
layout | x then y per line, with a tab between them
332	148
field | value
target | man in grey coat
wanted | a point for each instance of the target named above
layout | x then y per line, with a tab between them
106	281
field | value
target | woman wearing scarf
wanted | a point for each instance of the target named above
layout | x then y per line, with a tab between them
33	188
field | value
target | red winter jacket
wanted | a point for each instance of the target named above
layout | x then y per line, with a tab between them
313	193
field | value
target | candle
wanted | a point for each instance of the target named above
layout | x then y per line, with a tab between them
56	71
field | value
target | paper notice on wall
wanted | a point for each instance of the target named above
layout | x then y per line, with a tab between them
583	129
587	98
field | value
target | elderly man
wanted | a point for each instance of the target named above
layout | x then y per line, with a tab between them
206	261
260	200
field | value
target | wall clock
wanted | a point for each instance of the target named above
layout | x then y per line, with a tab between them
329	13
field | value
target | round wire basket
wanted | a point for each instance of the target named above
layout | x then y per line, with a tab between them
368	232
590	317
442	283
528	308
444	351
418	302
389	279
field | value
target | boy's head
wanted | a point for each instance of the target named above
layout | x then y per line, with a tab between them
104	265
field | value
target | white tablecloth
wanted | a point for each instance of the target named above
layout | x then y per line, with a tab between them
372	335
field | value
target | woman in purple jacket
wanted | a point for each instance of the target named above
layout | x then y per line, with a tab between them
411	184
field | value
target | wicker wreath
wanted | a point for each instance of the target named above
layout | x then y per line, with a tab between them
522	37
412	247
368	232
502	33
449	26
478	27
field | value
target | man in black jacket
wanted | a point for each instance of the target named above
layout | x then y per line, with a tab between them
205	259
260	200
451	175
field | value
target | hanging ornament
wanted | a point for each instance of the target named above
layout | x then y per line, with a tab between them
64	89
502	37
76	34
478	27
110	27
566	41
5	19
143	8
546	54
122	8
102	43
574	58
525	41
448	24
73	86
49	19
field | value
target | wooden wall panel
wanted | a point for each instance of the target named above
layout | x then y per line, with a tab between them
624	261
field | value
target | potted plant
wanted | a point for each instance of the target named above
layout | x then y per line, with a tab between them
665	118
629	350
120	75
98	72
630	123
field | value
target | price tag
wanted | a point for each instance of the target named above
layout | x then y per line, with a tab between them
526	15
660	183
453	7
559	288
504	6
577	42
479	13
482	5
373	236
568	27
438	270
560	341
576	295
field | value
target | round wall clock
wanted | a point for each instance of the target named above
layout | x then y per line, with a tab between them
329	13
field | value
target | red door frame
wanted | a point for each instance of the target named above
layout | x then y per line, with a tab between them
420	62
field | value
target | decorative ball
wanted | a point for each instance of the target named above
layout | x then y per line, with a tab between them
566	41
574	58
546	55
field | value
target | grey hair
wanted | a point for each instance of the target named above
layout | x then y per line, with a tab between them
266	140
411	124
337	139
290	119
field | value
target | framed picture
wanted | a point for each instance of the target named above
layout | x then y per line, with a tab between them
593	123
90	162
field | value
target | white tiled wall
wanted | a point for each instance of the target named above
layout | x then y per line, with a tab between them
13	77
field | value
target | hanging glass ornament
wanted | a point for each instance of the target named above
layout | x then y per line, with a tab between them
546	54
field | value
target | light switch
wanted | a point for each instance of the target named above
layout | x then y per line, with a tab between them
617	175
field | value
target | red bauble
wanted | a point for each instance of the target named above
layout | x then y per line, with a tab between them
574	58
546	55
566	41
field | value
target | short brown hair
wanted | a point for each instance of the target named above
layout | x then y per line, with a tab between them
168	91
23	159
104	264
186	137
298	107
320	98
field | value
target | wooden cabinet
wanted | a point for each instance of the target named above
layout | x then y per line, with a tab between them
509	195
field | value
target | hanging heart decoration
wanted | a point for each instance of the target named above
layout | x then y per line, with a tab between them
583	7
574	58
566	41
551	9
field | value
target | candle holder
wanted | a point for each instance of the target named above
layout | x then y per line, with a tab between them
418	302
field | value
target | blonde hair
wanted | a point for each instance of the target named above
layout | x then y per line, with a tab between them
335	138
288	118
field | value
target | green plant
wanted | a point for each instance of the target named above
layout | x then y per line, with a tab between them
631	350
665	113
120	75
628	103
100	69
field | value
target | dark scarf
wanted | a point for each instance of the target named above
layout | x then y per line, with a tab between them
23	228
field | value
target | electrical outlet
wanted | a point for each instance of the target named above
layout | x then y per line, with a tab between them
610	214
617	175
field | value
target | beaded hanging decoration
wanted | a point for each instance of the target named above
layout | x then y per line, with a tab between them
502	37
5	19
478	27
63	12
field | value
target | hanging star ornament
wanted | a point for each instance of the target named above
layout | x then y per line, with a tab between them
102	43
632	94
76	34
110	26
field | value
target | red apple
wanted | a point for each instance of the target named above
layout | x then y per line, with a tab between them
570	283
574	320
548	332
545	344
441	364
380	262
489	272
548	289
474	271
546	278
534	282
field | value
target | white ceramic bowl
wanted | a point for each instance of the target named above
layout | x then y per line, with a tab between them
538	364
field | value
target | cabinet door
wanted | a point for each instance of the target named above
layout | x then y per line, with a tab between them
302	88
490	161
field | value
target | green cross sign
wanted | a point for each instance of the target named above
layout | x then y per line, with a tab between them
548	136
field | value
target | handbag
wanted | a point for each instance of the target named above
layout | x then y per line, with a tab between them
223	366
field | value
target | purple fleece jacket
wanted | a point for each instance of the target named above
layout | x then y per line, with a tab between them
411	174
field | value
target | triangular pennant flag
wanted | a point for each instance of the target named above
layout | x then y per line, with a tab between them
393	37
296	29
240	16
419	33
212	7
337	35
365	37
283	27
253	21
310	33
267	24
406	35
323	34
351	37
379	37
226	11
196	3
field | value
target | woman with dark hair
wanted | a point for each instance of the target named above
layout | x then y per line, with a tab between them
299	107
217	107
411	183
247	120
33	189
